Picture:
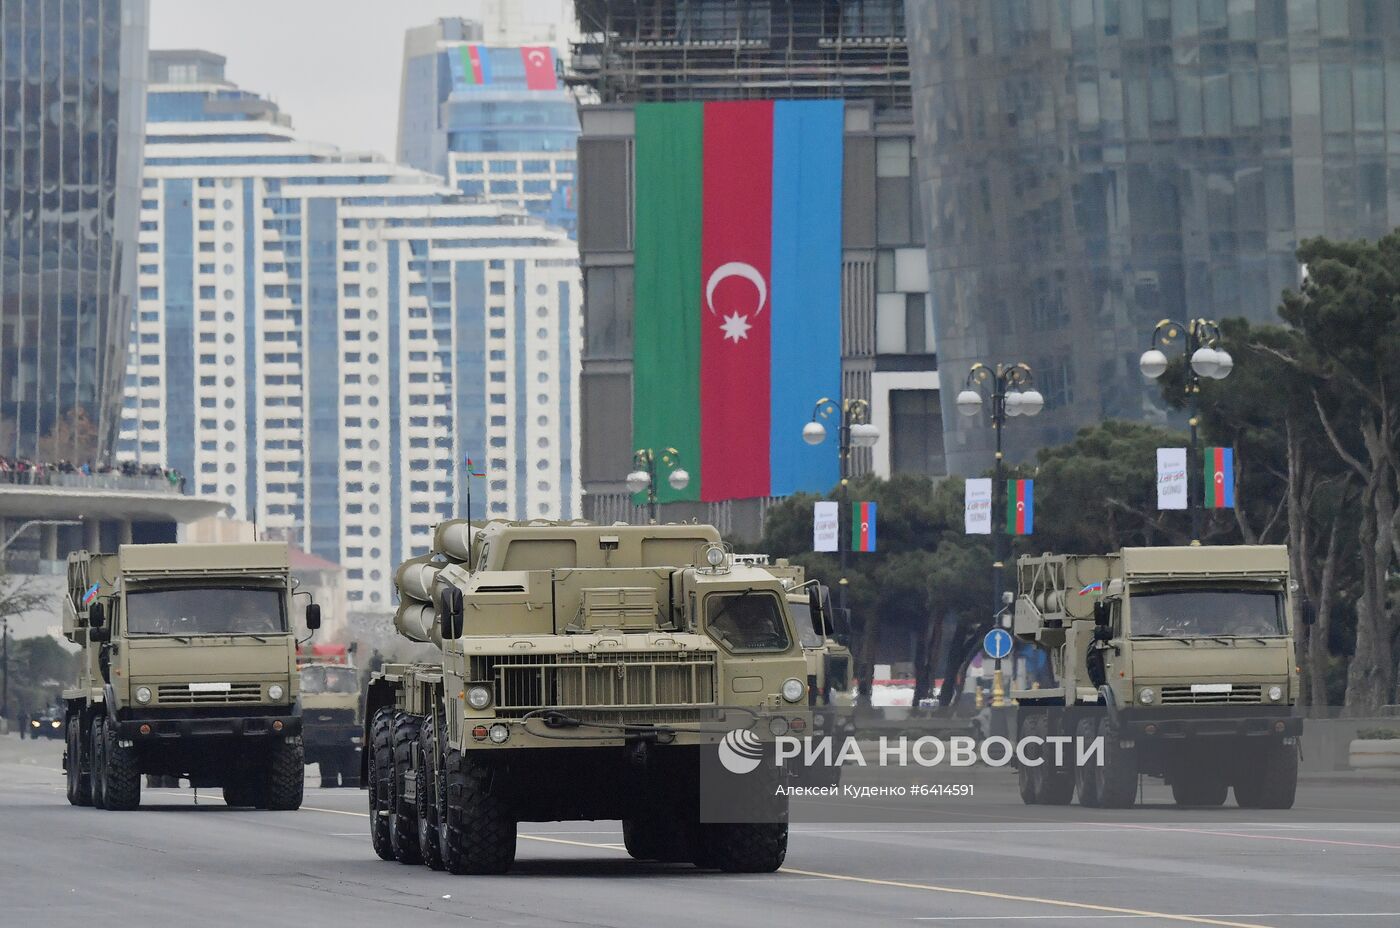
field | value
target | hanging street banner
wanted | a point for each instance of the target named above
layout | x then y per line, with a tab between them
863	526
737	291
1020	507
977	506
825	533
1220	478
1171	478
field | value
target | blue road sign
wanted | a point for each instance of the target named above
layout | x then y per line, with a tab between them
997	643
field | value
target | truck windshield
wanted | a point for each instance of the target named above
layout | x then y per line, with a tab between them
1203	613
806	632
329	680
206	611
746	620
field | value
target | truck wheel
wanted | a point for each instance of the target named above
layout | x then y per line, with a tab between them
1045	784
327	769
744	847
427	797
403	822
381	787
480	833
1200	788
1272	781
286	775
98	758
239	793
79	783
121	775
639	836
349	766
1117	777
1085	780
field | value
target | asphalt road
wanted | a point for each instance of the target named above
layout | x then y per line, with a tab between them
178	863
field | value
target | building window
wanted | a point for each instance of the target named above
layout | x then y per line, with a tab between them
916	433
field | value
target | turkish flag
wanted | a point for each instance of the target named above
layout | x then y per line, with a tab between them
539	67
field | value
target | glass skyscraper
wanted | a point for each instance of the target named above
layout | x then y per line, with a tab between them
72	107
496	122
1090	168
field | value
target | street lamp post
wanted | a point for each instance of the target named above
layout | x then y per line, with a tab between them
1198	339
643	478
1012	394
855	431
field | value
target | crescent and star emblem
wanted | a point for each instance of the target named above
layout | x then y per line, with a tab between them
535	57
736	325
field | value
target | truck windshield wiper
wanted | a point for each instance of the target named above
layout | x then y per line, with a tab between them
1186	641
732	601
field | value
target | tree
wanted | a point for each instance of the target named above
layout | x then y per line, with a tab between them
20	669
1348	351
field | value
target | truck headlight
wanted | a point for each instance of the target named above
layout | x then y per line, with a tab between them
794	689
275	691
478	697
1147	695
1275	693
498	734
143	694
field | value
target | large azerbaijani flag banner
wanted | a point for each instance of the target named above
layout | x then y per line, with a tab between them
737	292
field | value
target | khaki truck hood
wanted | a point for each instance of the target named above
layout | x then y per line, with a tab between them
207	658
1167	661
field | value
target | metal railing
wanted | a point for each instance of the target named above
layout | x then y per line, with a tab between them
109	481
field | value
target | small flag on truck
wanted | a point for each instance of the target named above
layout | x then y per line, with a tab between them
90	595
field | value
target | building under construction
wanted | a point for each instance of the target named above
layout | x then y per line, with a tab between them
657	50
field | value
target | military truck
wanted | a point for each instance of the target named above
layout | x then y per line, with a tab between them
1180	658
188	669
584	670
330	714
821	628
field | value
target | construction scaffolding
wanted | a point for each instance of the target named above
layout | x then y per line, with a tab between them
660	50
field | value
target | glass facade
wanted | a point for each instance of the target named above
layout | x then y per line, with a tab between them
1090	167
72	105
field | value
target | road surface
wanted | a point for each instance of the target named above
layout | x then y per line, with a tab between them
178	862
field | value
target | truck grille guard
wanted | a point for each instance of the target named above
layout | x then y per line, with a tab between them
675	683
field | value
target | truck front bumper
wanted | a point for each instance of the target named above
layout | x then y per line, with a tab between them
140	727
1210	722
323	735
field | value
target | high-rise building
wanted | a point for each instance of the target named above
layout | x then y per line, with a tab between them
1089	169
495	121
671	52
323	340
72	108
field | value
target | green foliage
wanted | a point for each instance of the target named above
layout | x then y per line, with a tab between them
40	667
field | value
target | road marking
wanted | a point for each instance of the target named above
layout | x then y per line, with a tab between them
1034	900
999	918
1239	834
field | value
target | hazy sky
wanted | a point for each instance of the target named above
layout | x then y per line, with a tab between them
332	65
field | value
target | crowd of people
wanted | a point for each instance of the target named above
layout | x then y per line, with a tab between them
25	470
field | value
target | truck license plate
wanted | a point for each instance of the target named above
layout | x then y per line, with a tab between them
1212	687
210	687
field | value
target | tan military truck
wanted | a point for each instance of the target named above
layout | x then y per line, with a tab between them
584	670
1181	658
188	669
330	714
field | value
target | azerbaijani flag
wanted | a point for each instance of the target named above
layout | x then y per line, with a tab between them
471	469
737	289
863	526
1095	587
473	65
90	594
1220	478
1020	507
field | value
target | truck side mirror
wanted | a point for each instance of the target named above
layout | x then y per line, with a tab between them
97	616
99	635
452	609
1101	613
840	624
1103	633
313	616
816	607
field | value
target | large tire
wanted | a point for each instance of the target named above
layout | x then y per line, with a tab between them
1045	784
480	829
240	793
639	836
97	755
79	783
1200	787
1085	780
348	763
745	848
121	776
286	775
1272	782
669	840
1117	778
428	805
403	823
381	781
